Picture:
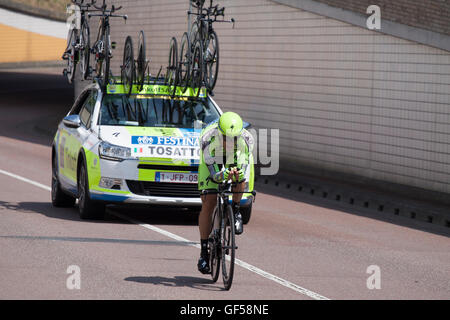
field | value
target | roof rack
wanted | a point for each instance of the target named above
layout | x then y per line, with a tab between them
156	87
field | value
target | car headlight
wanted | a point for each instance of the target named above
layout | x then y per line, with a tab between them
114	153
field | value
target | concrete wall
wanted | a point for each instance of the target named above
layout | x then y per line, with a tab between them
433	15
26	38
345	99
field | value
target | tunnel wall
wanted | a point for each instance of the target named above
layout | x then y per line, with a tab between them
346	99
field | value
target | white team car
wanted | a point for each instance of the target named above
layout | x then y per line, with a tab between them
144	148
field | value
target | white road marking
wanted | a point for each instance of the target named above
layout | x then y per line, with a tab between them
171	235
37	184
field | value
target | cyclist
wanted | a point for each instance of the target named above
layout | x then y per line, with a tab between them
226	149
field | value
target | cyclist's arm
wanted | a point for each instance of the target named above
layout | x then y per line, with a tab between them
209	148
245	150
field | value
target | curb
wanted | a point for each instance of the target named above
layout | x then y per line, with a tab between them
350	196
33	65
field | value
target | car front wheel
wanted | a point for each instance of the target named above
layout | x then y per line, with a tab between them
59	198
88	208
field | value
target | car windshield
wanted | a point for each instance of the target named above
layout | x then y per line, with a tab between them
151	111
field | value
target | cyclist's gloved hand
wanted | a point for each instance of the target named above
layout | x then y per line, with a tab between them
227	174
222	176
241	174
238	175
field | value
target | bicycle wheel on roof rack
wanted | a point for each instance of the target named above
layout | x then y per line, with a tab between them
185	62
85	50
172	69
211	61
105	70
197	68
128	67
193	34
141	61
71	56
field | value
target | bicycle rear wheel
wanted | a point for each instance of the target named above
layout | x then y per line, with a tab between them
228	247
128	68
214	246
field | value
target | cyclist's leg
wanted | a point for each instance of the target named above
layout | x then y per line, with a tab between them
238	196
204	220
208	201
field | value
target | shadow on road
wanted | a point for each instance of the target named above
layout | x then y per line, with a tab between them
178	281
156	216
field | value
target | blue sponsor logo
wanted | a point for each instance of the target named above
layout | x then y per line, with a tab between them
189	141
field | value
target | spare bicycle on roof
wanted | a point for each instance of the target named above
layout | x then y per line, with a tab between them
78	43
192	68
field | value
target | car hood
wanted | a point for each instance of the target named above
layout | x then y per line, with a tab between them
156	143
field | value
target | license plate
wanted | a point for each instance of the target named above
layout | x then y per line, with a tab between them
173	177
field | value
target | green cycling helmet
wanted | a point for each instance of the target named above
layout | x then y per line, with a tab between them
231	124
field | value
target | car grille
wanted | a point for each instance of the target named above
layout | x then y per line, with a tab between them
160	189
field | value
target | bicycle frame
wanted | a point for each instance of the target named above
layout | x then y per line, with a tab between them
206	17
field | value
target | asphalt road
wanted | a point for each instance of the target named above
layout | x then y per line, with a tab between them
294	247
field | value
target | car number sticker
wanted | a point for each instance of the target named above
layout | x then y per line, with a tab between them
169	152
173	177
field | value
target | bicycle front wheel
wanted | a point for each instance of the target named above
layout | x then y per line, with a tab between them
228	247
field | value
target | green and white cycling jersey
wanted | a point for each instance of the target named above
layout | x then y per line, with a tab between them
213	157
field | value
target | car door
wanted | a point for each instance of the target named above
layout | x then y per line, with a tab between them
73	138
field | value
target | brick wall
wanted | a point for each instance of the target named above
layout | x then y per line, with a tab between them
433	15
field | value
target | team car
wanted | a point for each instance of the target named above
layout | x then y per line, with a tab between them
143	148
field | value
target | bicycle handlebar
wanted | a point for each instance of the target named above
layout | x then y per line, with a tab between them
224	186
216	13
225	192
104	6
86	6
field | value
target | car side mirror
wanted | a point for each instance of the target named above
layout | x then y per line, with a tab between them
72	121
